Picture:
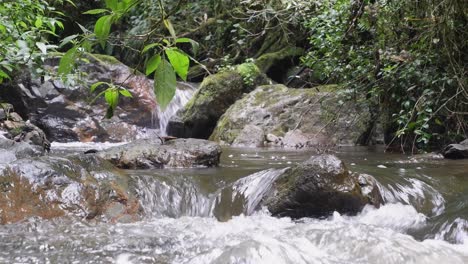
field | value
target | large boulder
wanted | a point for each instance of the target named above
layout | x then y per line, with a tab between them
456	151
83	186
294	118
178	153
215	95
318	187
63	109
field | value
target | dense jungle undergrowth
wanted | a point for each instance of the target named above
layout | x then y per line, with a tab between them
405	60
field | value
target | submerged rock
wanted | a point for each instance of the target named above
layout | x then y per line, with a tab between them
456	151
295	118
83	185
177	153
318	187
216	93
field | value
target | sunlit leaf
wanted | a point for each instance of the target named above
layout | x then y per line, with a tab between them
179	61
102	28
153	64
125	93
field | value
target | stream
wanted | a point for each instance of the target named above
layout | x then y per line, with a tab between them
210	216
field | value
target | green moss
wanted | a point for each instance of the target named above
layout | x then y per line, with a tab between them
249	72
267	60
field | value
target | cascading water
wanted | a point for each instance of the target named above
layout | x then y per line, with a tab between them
426	209
183	94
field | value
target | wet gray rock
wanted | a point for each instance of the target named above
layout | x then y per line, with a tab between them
84	186
11	150
63	110
318	187
250	136
178	153
456	151
296	118
216	93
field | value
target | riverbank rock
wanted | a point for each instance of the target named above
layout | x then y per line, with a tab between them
178	153
63	109
295	118
456	151
84	186
216	93
318	187
13	129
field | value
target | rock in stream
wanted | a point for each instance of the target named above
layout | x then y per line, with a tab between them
318	187
150	153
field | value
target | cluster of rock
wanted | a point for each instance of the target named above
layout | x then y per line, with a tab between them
238	107
63	108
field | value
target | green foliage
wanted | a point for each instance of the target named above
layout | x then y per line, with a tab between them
404	58
25	29
111	94
166	60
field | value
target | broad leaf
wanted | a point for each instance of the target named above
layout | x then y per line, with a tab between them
153	64
125	93
179	61
164	84
148	47
95	11
96	85
67	62
112	99
102	28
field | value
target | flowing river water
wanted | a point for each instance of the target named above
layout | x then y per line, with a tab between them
211	216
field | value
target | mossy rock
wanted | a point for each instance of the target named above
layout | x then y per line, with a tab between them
318	116
215	95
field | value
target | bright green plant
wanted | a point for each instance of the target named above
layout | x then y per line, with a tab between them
166	61
26	27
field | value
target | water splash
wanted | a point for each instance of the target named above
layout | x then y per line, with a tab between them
184	93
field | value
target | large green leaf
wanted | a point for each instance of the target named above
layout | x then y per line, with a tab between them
164	84
102	28
179	61
153	64
67	62
112	99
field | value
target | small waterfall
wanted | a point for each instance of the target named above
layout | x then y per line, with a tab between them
178	196
172	197
184	93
